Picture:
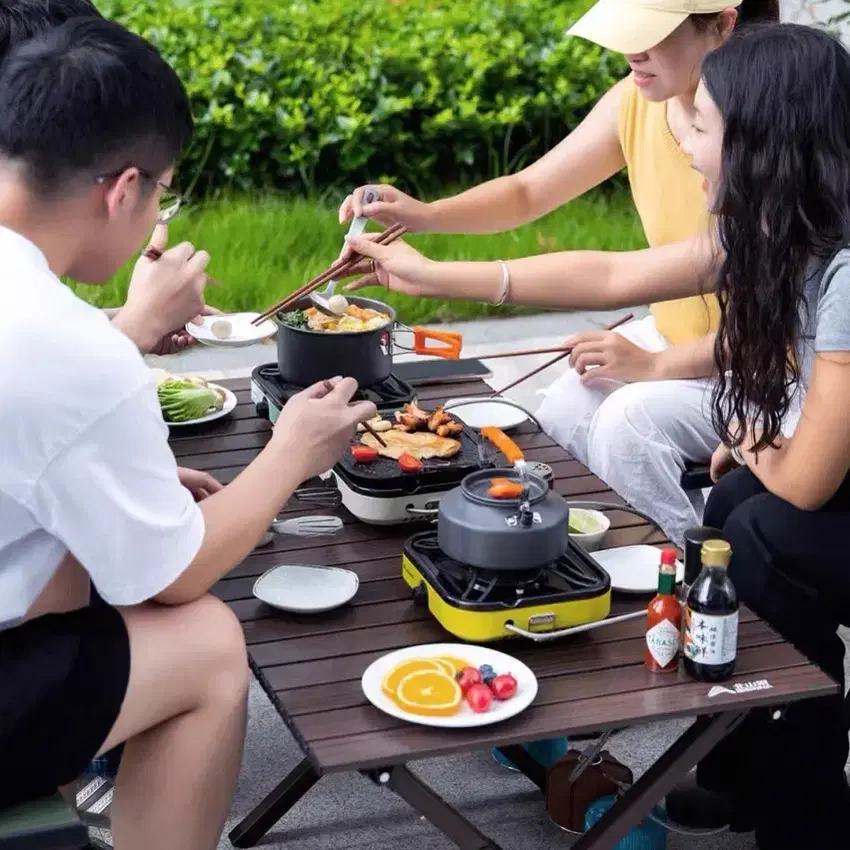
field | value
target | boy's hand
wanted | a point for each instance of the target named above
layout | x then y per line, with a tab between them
317	425
164	294
200	484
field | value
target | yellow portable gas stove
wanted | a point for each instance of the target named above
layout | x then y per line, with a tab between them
480	606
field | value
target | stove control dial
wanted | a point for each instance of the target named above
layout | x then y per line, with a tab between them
420	595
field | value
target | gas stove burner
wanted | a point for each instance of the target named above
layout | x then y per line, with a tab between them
390	394
472	586
479	606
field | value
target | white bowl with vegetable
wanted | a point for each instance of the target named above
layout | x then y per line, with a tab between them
191	400
588	528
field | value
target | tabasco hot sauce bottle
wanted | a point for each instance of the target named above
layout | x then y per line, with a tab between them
664	626
711	618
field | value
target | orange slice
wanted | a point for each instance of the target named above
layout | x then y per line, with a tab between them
451	665
411	665
429	693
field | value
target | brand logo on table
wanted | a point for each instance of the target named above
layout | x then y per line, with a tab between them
740	688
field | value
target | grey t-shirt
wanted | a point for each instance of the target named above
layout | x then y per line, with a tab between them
825	317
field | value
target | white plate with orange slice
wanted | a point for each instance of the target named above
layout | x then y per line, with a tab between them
419	684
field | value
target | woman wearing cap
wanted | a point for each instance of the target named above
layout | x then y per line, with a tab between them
771	136
643	414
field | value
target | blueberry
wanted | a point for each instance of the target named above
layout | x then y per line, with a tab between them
485	668
489	678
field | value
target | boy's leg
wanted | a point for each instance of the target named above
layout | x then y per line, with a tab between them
183	720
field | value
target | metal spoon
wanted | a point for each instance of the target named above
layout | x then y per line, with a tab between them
321	300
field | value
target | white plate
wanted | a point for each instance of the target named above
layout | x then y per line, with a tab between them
634	569
486	412
306	590
465	718
243	333
230	403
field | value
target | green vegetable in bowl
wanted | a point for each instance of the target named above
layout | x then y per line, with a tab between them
182	401
295	319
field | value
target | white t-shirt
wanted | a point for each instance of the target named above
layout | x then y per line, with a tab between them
85	465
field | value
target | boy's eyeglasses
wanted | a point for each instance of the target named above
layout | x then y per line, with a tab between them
170	202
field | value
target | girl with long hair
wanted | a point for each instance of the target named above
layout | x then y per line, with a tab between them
771	139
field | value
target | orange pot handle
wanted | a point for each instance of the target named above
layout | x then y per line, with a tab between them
450	351
503	443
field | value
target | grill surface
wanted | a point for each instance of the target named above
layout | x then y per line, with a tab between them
385	473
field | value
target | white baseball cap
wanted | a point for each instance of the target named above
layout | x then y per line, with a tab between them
633	26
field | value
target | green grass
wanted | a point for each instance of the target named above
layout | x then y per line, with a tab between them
265	248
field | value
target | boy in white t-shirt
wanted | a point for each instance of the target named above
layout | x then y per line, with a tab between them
91	123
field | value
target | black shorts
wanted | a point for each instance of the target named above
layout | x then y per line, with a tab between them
63	678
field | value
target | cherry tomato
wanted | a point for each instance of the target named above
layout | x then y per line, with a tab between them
480	698
364	454
409	463
504	686
468	677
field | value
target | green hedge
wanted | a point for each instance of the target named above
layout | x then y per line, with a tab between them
328	93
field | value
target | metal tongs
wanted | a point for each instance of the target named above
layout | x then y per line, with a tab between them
321	300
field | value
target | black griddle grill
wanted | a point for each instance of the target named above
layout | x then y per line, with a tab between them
385	476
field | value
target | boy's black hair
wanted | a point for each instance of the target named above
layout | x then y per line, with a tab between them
86	100
21	20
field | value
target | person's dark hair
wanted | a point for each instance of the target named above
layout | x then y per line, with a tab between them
21	20
749	12
88	98
782	204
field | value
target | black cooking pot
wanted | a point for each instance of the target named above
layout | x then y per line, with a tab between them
306	357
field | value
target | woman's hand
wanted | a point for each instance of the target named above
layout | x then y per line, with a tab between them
608	355
722	462
397	267
392	207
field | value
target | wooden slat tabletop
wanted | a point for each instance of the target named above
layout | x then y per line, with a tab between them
311	666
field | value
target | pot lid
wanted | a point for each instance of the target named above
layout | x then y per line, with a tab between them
476	485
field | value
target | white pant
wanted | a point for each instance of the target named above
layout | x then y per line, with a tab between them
637	437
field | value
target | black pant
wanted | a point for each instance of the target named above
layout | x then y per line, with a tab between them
791	567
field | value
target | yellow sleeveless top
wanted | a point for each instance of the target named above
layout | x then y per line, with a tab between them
670	201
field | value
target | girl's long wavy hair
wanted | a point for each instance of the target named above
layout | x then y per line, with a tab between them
783	202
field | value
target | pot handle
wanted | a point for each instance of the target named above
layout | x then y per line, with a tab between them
450	351
503	443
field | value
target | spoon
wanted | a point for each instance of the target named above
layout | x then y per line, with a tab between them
322	300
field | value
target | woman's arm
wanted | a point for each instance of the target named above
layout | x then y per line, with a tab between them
585	158
688	360
808	469
567	280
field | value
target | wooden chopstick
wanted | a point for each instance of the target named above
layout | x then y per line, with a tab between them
565	353
524	353
366	425
154	254
338	269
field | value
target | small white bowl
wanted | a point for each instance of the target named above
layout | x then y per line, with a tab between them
591	541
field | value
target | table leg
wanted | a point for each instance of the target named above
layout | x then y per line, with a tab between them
526	764
663	776
422	798
252	828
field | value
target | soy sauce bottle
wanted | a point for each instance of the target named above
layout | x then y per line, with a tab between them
711	618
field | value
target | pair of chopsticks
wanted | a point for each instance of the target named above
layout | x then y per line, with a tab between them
339	269
153	254
565	352
329	386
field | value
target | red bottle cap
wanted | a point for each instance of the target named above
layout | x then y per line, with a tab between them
668	556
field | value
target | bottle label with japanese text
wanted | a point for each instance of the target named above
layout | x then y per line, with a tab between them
710	638
663	640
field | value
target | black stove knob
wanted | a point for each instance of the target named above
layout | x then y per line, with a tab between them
263	409
420	595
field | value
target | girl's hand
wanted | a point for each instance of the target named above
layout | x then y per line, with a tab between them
722	462
396	267
392	207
